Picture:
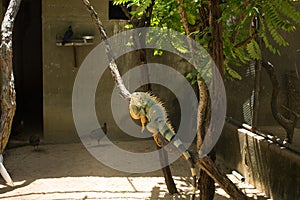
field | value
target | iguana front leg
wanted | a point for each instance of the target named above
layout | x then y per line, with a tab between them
143	121
138	113
155	137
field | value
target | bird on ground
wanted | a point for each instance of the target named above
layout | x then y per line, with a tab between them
68	34
98	134
34	140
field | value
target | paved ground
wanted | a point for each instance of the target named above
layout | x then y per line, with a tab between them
68	171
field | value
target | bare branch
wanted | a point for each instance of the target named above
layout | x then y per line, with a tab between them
296	115
287	124
125	11
112	63
207	165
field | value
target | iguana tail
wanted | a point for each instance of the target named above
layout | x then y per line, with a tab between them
188	157
168	134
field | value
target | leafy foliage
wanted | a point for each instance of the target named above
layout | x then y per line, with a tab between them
248	25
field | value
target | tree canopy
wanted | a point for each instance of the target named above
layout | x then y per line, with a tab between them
247	26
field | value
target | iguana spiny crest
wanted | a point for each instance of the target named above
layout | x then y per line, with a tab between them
150	111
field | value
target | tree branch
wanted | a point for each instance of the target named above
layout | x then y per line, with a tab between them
246	41
125	11
296	115
112	63
287	124
8	94
183	17
207	165
150	10
203	12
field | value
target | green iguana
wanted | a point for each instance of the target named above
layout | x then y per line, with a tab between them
150	111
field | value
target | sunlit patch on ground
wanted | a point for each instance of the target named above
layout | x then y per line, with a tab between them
107	188
96	188
68	171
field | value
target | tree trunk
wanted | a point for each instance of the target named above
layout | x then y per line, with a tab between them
208	166
8	94
206	183
216	46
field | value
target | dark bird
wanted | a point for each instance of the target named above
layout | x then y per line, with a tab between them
97	134
68	34
34	141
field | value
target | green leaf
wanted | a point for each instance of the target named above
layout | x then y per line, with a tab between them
158	52
233	74
254	50
192	75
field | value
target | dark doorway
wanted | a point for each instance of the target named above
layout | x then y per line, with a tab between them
27	64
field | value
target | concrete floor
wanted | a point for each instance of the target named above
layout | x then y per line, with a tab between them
69	171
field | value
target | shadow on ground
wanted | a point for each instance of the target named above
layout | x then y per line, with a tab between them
68	171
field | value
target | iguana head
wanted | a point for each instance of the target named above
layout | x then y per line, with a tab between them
137	104
139	99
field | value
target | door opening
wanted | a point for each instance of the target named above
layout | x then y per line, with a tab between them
27	65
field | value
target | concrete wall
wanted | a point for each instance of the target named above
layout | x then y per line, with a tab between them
240	93
59	71
287	62
269	167
273	169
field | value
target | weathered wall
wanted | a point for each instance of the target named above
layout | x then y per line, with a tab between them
269	167
287	62
272	169
59	71
240	93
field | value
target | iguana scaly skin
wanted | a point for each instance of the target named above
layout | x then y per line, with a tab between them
150	111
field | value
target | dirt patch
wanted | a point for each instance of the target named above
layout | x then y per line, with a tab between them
69	171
